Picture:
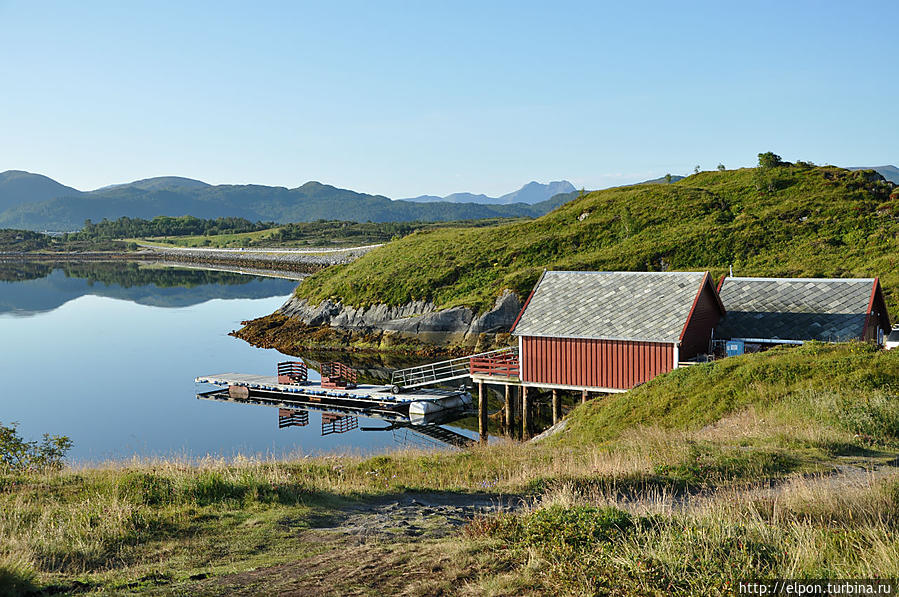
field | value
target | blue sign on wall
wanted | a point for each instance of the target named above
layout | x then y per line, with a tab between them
734	348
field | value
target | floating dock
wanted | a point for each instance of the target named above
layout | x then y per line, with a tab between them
416	406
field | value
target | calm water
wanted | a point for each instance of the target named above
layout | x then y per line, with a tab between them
108	357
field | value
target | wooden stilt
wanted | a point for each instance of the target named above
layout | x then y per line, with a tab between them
525	413
557	407
584	397
482	413
510	417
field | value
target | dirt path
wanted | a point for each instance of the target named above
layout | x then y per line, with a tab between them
390	545
415	515
397	544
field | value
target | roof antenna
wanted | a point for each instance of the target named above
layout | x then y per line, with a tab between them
731	271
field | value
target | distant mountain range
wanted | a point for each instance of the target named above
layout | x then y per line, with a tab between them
891	173
531	193
35	202
18	188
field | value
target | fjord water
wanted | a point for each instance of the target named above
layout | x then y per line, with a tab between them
111	364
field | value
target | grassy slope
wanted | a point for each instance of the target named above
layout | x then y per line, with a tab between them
815	222
731	422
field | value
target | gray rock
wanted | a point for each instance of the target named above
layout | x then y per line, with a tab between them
417	317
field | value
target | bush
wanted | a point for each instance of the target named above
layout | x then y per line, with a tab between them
18	455
769	159
578	527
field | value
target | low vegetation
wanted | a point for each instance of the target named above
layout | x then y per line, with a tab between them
576	544
27	241
752	466
187	231
323	233
779	220
126	227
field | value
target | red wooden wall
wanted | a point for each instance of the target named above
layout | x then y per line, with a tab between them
698	333
618	364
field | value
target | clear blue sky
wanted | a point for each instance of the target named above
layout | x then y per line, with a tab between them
406	98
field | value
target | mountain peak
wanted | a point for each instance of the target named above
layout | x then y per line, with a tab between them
532	192
18	187
535	192
889	172
161	183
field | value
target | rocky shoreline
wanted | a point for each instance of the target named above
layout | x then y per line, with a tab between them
415	328
418	319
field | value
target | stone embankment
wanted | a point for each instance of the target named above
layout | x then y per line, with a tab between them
418	319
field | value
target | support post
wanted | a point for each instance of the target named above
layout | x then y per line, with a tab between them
482	413
584	397
510	416
557	407
525	413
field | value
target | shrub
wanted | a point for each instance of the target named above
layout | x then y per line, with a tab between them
769	159
18	455
578	527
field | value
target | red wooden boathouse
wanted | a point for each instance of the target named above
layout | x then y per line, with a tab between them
609	331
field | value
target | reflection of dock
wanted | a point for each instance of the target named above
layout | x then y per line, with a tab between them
343	419
435	432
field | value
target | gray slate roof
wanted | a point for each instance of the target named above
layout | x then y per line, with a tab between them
648	306
830	310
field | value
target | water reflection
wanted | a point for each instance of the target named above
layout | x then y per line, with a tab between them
405	433
30	288
122	381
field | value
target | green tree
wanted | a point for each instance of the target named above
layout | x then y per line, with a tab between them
668	178
769	159
721	168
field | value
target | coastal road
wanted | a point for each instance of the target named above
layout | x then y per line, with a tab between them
318	256
363	249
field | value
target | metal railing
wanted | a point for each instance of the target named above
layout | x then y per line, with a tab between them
443	371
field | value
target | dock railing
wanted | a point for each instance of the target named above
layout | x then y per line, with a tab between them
443	371
502	363
338	375
292	372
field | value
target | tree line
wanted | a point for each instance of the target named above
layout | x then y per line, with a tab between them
126	227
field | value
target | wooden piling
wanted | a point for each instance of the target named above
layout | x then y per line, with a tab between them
557	407
482	413
584	397
525	413
510	415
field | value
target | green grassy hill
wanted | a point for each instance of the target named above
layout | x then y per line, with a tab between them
784	221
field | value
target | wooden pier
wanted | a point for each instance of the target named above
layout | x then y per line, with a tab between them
419	406
406	400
